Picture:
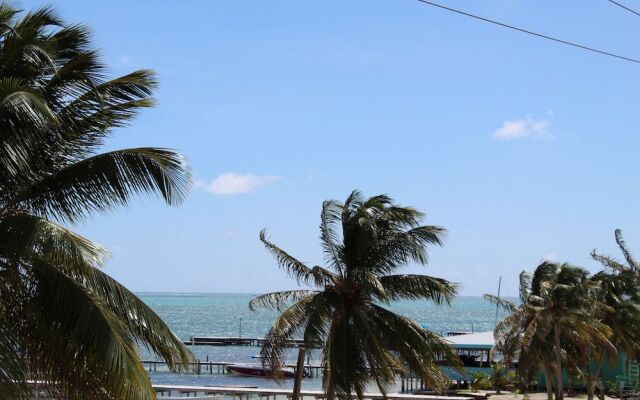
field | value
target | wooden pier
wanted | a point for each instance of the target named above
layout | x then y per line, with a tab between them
237	392
219	392
219	367
233	341
407	384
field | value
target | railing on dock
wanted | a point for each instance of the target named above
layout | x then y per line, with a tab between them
219	367
248	392
171	390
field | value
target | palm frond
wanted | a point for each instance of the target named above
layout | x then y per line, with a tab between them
277	300
344	359
36	20
353	201
296	269
24	45
289	322
12	374
502	302
80	73
35	239
608	262
392	249
141	321
68	328
423	236
329	217
18	99
24	114
101	105
30	237
101	182
625	250
315	331
524	288
7	16
414	287
382	364
401	217
419	348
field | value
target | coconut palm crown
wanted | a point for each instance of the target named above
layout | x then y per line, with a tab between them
620	291
364	241
64	322
556	323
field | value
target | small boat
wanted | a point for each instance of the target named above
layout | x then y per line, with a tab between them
259	370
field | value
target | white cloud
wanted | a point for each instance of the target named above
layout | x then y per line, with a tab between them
233	183
524	128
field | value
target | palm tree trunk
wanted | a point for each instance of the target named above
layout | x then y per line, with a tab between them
598	378
595	379
589	378
590	383
548	381
297	384
558	352
331	387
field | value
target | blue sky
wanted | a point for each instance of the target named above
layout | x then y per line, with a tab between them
522	148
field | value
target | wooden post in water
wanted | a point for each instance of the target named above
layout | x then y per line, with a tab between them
297	384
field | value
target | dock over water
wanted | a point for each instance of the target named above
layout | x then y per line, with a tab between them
171	390
219	367
233	341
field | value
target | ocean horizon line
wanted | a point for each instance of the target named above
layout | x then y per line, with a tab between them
197	293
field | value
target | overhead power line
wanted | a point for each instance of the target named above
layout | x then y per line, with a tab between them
515	28
625	7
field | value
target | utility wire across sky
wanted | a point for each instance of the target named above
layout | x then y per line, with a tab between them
625	7
515	28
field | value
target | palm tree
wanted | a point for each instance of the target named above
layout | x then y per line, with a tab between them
557	320
509	335
63	321
498	377
621	293
364	242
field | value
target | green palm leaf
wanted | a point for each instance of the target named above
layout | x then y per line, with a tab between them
31	237
12	376
329	218
278	299
104	181
70	321
296	269
499	301
413	287
291	321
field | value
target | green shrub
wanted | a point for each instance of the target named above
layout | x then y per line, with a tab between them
481	381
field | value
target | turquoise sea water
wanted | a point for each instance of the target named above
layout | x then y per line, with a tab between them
229	315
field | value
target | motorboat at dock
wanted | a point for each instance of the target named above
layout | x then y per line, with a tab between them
260	370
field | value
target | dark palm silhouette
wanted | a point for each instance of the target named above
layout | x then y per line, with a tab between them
63	321
365	241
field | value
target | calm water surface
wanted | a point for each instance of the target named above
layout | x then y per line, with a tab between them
228	315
